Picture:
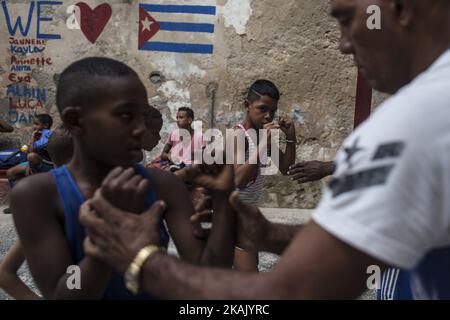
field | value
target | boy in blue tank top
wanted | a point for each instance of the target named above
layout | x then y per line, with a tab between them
60	150
102	104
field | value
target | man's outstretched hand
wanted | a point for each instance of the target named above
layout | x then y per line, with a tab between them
309	171
214	178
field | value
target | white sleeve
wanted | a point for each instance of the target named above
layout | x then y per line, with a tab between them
387	204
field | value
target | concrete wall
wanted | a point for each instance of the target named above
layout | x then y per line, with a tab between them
291	42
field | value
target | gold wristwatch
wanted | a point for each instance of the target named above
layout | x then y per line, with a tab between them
134	270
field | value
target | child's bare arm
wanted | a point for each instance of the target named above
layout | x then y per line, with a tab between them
44	243
218	249
9	280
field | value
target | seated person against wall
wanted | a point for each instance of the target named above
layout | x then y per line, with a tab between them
38	159
178	153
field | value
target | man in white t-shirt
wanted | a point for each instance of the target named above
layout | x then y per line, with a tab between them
389	200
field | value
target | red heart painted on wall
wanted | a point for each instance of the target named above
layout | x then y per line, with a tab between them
93	21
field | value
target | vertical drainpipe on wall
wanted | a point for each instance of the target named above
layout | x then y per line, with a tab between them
363	103
211	90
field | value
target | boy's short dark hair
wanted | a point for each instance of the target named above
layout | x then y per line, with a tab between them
45	119
189	112
77	83
60	146
261	88
151	114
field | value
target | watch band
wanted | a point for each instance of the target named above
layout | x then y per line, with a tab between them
133	272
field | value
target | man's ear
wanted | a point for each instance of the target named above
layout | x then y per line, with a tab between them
404	11
72	118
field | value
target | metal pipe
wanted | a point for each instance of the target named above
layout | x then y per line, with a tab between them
211	90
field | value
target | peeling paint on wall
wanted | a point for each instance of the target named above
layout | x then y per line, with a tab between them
175	67
177	96
236	14
230	119
297	114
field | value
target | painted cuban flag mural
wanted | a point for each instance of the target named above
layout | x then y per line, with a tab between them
184	27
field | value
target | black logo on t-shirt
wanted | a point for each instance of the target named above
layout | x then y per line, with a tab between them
351	151
389	150
369	177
